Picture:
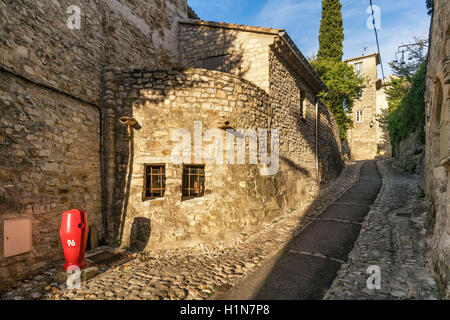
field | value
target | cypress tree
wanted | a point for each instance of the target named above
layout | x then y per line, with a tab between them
344	86
331	33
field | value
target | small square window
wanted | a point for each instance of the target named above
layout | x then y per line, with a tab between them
154	181
193	181
359	116
358	67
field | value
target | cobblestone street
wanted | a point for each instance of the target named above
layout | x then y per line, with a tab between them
392	237
192	274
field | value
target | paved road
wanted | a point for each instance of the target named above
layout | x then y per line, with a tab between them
307	266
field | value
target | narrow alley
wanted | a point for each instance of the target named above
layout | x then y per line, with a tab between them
296	257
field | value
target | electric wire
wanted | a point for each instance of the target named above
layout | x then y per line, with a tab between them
376	38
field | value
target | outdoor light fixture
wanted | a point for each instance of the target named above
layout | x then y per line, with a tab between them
224	124
371	123
128	121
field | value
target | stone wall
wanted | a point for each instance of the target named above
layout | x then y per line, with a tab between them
237	198
384	147
409	154
362	137
248	50
437	102
332	151
36	43
51	83
49	163
286	90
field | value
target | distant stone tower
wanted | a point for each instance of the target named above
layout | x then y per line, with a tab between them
368	139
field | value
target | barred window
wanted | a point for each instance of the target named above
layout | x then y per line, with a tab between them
193	181
154	181
219	63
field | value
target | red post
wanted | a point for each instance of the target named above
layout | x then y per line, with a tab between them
74	233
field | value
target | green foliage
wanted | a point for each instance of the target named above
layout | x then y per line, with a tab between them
405	94
413	57
406	112
331	33
344	86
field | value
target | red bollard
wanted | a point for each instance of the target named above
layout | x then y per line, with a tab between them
74	233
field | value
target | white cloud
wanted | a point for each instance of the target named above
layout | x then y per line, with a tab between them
401	21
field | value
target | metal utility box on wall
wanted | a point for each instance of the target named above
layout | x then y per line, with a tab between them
15	237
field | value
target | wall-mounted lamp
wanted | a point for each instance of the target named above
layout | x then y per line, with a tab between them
371	123
224	124
130	121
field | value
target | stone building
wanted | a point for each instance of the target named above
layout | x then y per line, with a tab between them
368	138
437	103
96	118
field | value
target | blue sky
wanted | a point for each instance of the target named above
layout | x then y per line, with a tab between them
401	21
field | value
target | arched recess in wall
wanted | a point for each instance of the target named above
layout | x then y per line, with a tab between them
438	125
445	109
442	94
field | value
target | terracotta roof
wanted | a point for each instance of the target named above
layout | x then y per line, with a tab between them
365	56
234	26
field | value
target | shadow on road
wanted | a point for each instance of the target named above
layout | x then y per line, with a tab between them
308	264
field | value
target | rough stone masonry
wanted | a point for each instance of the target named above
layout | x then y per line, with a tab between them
62	145
50	126
437	159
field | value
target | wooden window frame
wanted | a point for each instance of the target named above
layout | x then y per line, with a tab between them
360	118
358	67
187	191
154	191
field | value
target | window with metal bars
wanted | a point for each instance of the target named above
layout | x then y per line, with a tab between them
154	181
219	63
193	181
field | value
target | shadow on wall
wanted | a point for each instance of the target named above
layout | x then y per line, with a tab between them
216	49
131	82
294	166
384	148
304	121
124	134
